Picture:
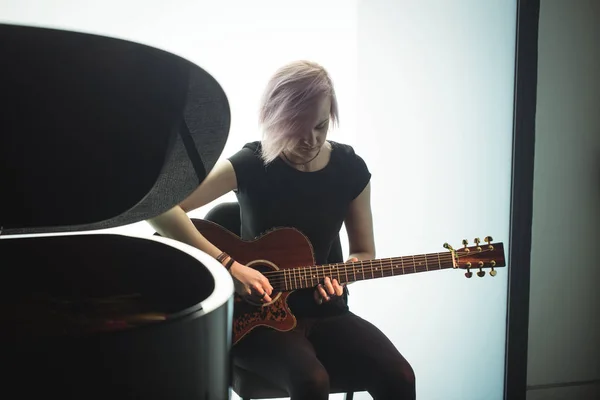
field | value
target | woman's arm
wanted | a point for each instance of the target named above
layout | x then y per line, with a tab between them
176	224
359	226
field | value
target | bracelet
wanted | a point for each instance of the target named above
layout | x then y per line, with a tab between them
222	257
229	263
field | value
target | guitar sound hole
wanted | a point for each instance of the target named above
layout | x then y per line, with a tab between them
263	268
271	272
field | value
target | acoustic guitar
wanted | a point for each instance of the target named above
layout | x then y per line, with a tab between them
285	256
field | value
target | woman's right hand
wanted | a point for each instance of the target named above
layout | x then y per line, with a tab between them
250	283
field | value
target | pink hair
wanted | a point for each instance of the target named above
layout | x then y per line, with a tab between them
290	93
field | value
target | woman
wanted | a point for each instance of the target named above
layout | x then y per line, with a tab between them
295	177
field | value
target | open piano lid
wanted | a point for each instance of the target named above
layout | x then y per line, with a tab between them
98	132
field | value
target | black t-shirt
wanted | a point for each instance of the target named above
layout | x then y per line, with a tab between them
316	203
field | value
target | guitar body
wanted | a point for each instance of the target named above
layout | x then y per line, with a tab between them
281	248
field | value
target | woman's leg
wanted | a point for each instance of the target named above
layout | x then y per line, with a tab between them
355	351
287	359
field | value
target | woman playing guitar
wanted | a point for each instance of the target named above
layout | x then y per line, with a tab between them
295	177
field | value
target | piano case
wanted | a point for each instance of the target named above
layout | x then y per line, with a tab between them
97	133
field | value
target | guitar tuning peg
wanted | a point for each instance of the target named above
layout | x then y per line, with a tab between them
465	242
493	271
481	272
488	239
477	241
468	274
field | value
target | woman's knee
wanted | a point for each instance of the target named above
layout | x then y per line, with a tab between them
404	382
397	381
407	374
313	384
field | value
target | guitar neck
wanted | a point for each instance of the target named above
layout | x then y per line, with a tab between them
309	276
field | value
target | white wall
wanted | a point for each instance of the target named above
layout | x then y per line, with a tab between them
435	123
425	91
564	333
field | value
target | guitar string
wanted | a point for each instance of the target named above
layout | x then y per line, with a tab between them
304	274
408	259
301	282
369	263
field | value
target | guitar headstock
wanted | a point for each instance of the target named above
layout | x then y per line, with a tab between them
481	256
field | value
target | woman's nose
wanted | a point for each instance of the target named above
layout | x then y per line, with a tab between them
311	139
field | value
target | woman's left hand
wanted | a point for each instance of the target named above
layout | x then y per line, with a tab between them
329	289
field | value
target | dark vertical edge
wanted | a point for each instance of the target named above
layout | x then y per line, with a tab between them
521	212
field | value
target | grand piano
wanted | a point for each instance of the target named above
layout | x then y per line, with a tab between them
97	133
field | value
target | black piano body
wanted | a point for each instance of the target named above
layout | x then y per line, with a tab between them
97	133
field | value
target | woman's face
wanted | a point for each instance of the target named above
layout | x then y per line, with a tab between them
314	129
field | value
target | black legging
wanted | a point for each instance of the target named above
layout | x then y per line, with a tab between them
343	349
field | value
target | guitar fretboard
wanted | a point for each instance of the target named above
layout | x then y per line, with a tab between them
310	276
